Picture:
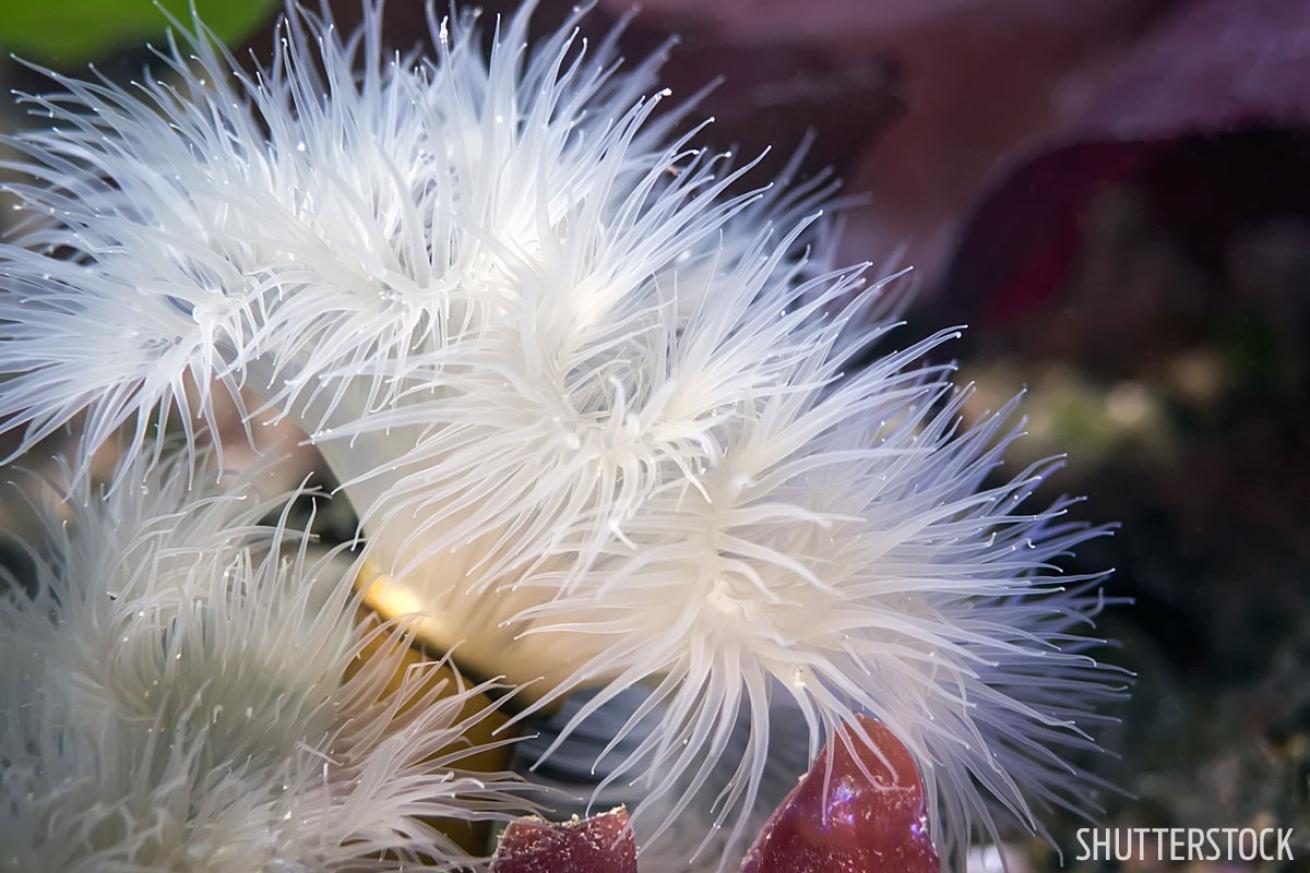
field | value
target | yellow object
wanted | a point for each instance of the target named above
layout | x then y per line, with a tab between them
473	837
480	644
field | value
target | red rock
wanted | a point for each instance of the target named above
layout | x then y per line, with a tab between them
858	826
601	844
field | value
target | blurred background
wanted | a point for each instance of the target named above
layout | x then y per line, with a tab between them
1115	197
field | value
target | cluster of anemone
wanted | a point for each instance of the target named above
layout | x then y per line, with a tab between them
611	415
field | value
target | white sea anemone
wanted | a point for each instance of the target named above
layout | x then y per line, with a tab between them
603	414
176	696
847	554
304	231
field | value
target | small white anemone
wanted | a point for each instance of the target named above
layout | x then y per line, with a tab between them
846	550
302	230
178	697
